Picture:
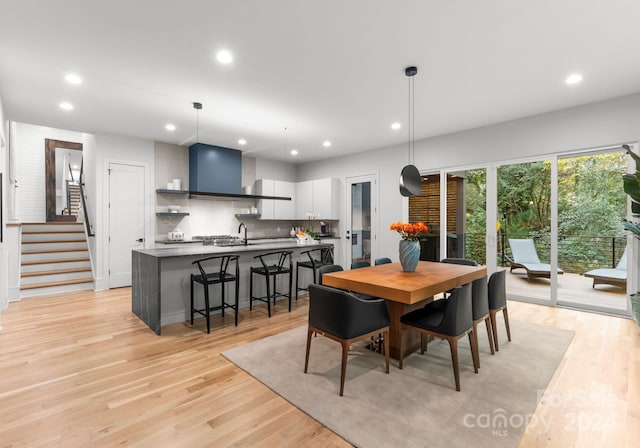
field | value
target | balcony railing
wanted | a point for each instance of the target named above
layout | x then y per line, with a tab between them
576	253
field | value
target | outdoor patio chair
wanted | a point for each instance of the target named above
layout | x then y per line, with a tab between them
526	257
612	276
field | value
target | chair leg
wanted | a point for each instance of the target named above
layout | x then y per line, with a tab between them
487	321
473	342
237	282
506	322
222	305
191	290
492	315
269	295
206	306
453	344
306	358
423	343
343	370
385	342
250	289
297	280
290	286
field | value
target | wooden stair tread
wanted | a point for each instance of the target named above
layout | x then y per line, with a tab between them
53	241
59	271
51	251
57	260
60	283
53	223
44	232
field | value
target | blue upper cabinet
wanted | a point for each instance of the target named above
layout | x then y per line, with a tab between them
214	169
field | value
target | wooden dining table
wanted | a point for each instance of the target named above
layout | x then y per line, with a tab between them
404	291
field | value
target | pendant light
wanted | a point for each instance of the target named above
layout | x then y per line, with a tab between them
410	182
197	107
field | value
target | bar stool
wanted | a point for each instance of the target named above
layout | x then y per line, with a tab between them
220	276
282	265
324	258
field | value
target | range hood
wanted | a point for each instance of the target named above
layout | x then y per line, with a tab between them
215	171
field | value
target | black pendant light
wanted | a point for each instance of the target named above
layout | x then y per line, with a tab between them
410	182
197	107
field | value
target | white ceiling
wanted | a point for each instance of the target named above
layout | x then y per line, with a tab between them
325	70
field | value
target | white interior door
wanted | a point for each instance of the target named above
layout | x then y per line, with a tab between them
361	227
126	219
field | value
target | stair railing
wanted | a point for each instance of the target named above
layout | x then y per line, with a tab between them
83	199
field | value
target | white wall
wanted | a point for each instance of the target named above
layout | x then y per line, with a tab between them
118	149
30	158
605	123
4	154
271	169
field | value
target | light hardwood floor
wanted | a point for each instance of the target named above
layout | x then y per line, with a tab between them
80	369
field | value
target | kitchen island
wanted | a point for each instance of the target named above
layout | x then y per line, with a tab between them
160	293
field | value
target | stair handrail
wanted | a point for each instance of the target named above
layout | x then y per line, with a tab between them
87	224
68	204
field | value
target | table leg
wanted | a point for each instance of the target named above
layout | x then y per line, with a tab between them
411	338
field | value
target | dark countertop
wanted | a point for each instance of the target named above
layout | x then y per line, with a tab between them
253	246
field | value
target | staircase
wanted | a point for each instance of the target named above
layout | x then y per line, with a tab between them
55	258
74	198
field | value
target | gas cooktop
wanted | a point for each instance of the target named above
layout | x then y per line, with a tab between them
219	240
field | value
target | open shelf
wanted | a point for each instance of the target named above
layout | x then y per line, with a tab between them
164	190
172	214
247	215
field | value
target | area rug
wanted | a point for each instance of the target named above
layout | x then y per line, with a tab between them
417	406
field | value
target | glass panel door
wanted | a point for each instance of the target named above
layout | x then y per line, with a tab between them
360	230
524	211
466	214
591	239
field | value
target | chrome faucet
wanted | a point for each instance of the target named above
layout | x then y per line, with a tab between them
245	232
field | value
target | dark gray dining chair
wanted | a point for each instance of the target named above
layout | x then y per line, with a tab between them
497	302
360	264
452	324
344	318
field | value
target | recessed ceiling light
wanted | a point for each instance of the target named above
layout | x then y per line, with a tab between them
326	143
294	152
66	106
72	78
573	79
224	57
242	141
170	127
395	126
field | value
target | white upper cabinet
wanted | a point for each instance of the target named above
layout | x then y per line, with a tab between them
325	198
275	208
320	197
304	199
266	207
284	209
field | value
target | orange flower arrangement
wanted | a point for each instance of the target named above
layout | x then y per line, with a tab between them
409	231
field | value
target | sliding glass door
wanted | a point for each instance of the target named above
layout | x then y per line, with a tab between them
554	224
591	239
524	216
